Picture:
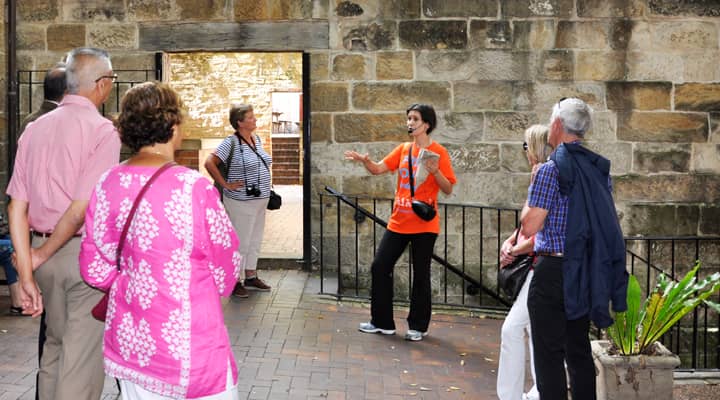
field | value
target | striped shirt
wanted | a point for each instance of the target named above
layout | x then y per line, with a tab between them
246	166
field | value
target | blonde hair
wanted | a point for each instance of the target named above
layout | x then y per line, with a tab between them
536	138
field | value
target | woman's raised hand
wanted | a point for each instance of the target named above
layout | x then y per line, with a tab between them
355	156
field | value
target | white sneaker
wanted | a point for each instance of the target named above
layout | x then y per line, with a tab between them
368	327
414	335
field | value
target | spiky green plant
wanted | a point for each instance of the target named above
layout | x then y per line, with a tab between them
636	329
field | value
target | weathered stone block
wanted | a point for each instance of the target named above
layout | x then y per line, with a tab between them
65	37
652	158
603	128
319	67
490	34
700	8
674	36
620	34
599	65
373	127
85	11
710	220
507	126
459	128
202	10
702	66
557	65
547	94
697	97
321	127
469	158
610	8
400	9
348	9
113	36
459	8
619	154
394	65
660	220
349	67
513	158
397	96
655	66
251	11
329	97
492	189
483	95
290	9
30	37
151	10
667	188
714	128
706	158
134	60
533	35
535	8
368	37
37	10
523	96
307	35
479	65
639	95
662	127
582	35
418	34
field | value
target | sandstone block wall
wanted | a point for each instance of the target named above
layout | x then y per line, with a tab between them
649	68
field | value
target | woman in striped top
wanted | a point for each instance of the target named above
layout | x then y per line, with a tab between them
246	189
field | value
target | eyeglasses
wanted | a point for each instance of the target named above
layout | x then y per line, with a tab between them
525	146
112	77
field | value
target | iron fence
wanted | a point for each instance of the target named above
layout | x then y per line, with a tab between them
464	267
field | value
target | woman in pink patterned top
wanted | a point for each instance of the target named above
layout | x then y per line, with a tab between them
165	337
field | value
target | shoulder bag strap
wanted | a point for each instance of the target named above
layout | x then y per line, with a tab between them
136	203
254	150
410	167
229	159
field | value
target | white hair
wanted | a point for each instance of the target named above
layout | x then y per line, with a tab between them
84	66
574	114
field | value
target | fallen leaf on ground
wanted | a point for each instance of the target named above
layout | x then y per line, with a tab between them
489	359
462	362
454	388
463	354
424	389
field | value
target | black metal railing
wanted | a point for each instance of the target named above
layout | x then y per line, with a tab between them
465	265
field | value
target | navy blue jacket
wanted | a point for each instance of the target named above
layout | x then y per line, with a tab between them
594	271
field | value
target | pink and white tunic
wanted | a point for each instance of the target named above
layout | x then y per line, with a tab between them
164	330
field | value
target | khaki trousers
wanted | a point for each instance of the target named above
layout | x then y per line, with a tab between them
71	367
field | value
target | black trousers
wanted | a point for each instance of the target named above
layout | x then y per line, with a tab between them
557	339
388	252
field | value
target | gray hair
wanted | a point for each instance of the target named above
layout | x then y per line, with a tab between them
574	114
84	66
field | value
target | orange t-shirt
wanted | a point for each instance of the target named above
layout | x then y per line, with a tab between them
403	219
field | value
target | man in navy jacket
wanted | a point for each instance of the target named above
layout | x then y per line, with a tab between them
581	255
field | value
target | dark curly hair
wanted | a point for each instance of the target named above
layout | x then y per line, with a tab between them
427	114
148	113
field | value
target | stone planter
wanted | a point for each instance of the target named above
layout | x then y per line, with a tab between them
638	377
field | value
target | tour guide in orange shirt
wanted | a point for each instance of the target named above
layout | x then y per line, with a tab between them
406	227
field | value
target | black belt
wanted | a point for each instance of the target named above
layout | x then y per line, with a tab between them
546	254
47	234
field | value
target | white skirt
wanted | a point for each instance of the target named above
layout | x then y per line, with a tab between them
133	391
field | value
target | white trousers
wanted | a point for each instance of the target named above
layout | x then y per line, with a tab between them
511	371
248	219
133	391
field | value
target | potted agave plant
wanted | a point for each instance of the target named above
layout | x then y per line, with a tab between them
633	364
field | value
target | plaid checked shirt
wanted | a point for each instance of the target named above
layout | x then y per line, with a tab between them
544	193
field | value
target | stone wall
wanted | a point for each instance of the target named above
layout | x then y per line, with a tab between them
650	69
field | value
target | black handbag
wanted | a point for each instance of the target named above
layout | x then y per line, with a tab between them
512	277
422	209
275	200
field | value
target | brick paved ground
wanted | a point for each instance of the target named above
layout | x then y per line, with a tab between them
292	344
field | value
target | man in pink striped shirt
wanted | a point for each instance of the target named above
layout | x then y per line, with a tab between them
60	158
